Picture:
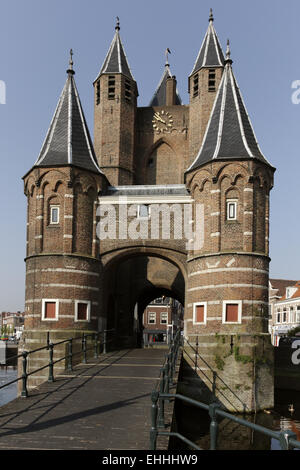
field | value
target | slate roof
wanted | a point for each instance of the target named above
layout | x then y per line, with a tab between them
210	54
159	97
229	134
68	141
116	60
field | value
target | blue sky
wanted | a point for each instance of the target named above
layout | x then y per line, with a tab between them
35	38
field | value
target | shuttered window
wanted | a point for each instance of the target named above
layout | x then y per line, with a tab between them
82	311
49	309
232	311
199	313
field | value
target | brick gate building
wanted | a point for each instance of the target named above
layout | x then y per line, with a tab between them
170	199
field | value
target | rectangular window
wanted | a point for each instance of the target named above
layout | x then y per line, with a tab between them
278	316
151	317
212	80
111	87
231	209
164	318
199	313
82	310
284	316
195	85
49	309
232	311
98	92
54	214
127	90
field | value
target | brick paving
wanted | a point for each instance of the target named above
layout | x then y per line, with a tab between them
104	404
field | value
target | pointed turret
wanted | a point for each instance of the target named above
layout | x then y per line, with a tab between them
68	141
203	85
210	54
116	60
162	95
229	133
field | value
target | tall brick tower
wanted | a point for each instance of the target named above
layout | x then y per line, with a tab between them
228	275
203	85
62	273
115	100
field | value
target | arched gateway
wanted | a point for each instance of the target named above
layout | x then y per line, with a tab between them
173	200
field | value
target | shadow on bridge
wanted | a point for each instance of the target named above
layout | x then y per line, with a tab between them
104	404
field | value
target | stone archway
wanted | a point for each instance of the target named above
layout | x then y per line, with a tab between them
132	280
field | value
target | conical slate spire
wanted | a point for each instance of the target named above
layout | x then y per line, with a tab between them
159	97
68	141
116	60
229	134
210	54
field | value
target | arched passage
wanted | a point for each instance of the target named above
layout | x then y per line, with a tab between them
131	281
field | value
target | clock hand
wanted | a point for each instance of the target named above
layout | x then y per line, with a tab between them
157	116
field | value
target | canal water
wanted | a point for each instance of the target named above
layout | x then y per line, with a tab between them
194	424
7	374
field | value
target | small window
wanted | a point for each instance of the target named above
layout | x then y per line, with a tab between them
231	209
195	85
54	214
164	318
143	211
111	87
50	309
82	310
278	316
199	313
232	311
284	315
212	80
98	92
298	314
151	318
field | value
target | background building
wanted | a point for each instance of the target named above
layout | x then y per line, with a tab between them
161	319
284	310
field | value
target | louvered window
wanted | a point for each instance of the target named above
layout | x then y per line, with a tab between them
111	87
211	80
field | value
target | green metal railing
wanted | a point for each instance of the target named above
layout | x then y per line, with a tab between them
286	438
95	345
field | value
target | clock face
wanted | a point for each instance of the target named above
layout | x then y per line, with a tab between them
162	121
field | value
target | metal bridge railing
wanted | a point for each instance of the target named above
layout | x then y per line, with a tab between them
68	357
287	439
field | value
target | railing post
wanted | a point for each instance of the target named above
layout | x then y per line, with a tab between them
84	348
213	425
96	346
24	392
51	377
153	430
104	341
70	354
167	375
161	412
284	438
197	352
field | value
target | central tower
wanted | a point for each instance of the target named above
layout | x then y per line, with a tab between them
115	101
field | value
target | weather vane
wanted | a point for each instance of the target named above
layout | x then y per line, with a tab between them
166	54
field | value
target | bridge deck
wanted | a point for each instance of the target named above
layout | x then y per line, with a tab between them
104	404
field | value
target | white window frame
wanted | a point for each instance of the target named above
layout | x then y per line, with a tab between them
143	217
297	313
54	206
230	202
165	322
239	304
148	318
88	303
44	309
285	312
195	305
